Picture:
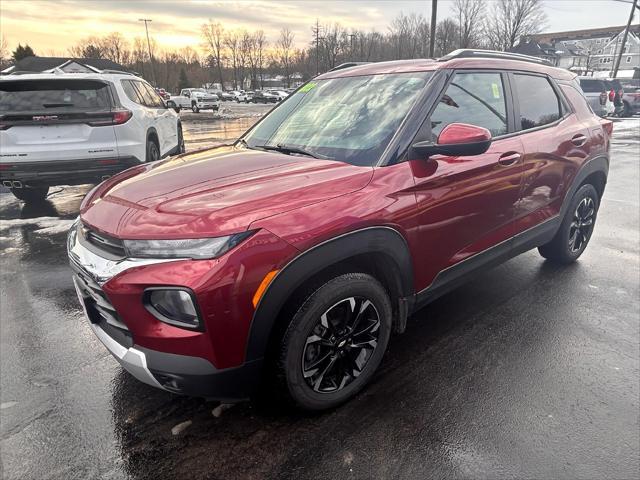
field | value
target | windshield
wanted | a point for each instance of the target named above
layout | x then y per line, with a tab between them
351	119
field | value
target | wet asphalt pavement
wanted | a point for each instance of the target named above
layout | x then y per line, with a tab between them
530	370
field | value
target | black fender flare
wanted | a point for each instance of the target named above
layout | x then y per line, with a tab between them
371	240
595	165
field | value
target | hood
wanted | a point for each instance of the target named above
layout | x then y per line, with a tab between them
214	192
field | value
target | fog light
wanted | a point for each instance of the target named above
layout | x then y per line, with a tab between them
175	306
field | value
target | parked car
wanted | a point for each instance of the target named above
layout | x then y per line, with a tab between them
196	99
70	129
281	94
163	93
630	96
264	96
288	259
595	90
239	95
226	96
615	93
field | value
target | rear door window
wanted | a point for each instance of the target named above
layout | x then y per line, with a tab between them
474	98
537	101
54	96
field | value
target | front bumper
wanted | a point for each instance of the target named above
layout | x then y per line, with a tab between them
176	373
65	172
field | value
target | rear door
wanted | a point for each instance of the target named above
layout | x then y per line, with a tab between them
161	118
555	144
55	119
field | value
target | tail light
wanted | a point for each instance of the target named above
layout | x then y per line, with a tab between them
607	126
116	117
612	95
603	98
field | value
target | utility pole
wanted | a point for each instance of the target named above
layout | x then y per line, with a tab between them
153	70
351	37
432	40
624	39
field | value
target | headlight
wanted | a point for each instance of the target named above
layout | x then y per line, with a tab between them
196	248
175	306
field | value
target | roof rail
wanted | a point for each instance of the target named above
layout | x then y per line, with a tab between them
117	72
470	53
347	65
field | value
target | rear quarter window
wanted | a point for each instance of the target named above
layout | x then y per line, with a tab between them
578	101
54	95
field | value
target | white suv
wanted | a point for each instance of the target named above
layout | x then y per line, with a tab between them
71	129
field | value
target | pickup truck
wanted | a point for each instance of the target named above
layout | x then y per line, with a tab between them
194	98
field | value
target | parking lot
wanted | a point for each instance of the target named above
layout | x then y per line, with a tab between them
530	370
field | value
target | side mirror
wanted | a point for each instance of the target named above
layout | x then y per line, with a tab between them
456	140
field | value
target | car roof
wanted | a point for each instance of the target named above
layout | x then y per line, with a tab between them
68	76
426	65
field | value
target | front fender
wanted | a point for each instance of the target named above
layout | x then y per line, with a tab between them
371	240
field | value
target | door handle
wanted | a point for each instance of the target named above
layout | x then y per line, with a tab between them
579	140
508	158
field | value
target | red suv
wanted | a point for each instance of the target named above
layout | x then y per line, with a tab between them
288	258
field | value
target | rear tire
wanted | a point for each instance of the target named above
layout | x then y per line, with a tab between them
575	231
335	342
31	195
153	151
181	147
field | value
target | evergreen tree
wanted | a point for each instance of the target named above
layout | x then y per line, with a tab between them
22	52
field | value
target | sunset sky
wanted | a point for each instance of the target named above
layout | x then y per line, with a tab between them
51	27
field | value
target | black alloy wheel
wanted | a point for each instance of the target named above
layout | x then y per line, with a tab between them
582	225
335	340
340	344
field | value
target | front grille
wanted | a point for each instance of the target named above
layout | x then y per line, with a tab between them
102	242
99	309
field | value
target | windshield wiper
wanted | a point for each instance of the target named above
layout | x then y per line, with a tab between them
288	150
54	105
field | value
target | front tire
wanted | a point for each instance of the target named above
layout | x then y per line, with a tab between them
335	342
575	231
31	195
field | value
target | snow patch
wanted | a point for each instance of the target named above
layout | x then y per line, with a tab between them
46	225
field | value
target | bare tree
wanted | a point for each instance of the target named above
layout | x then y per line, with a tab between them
213	34
470	14
232	43
90	47
115	48
284	48
4	52
447	37
511	20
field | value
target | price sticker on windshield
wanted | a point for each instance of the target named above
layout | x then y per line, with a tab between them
308	87
496	90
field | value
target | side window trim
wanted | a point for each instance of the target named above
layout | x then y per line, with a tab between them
565	110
